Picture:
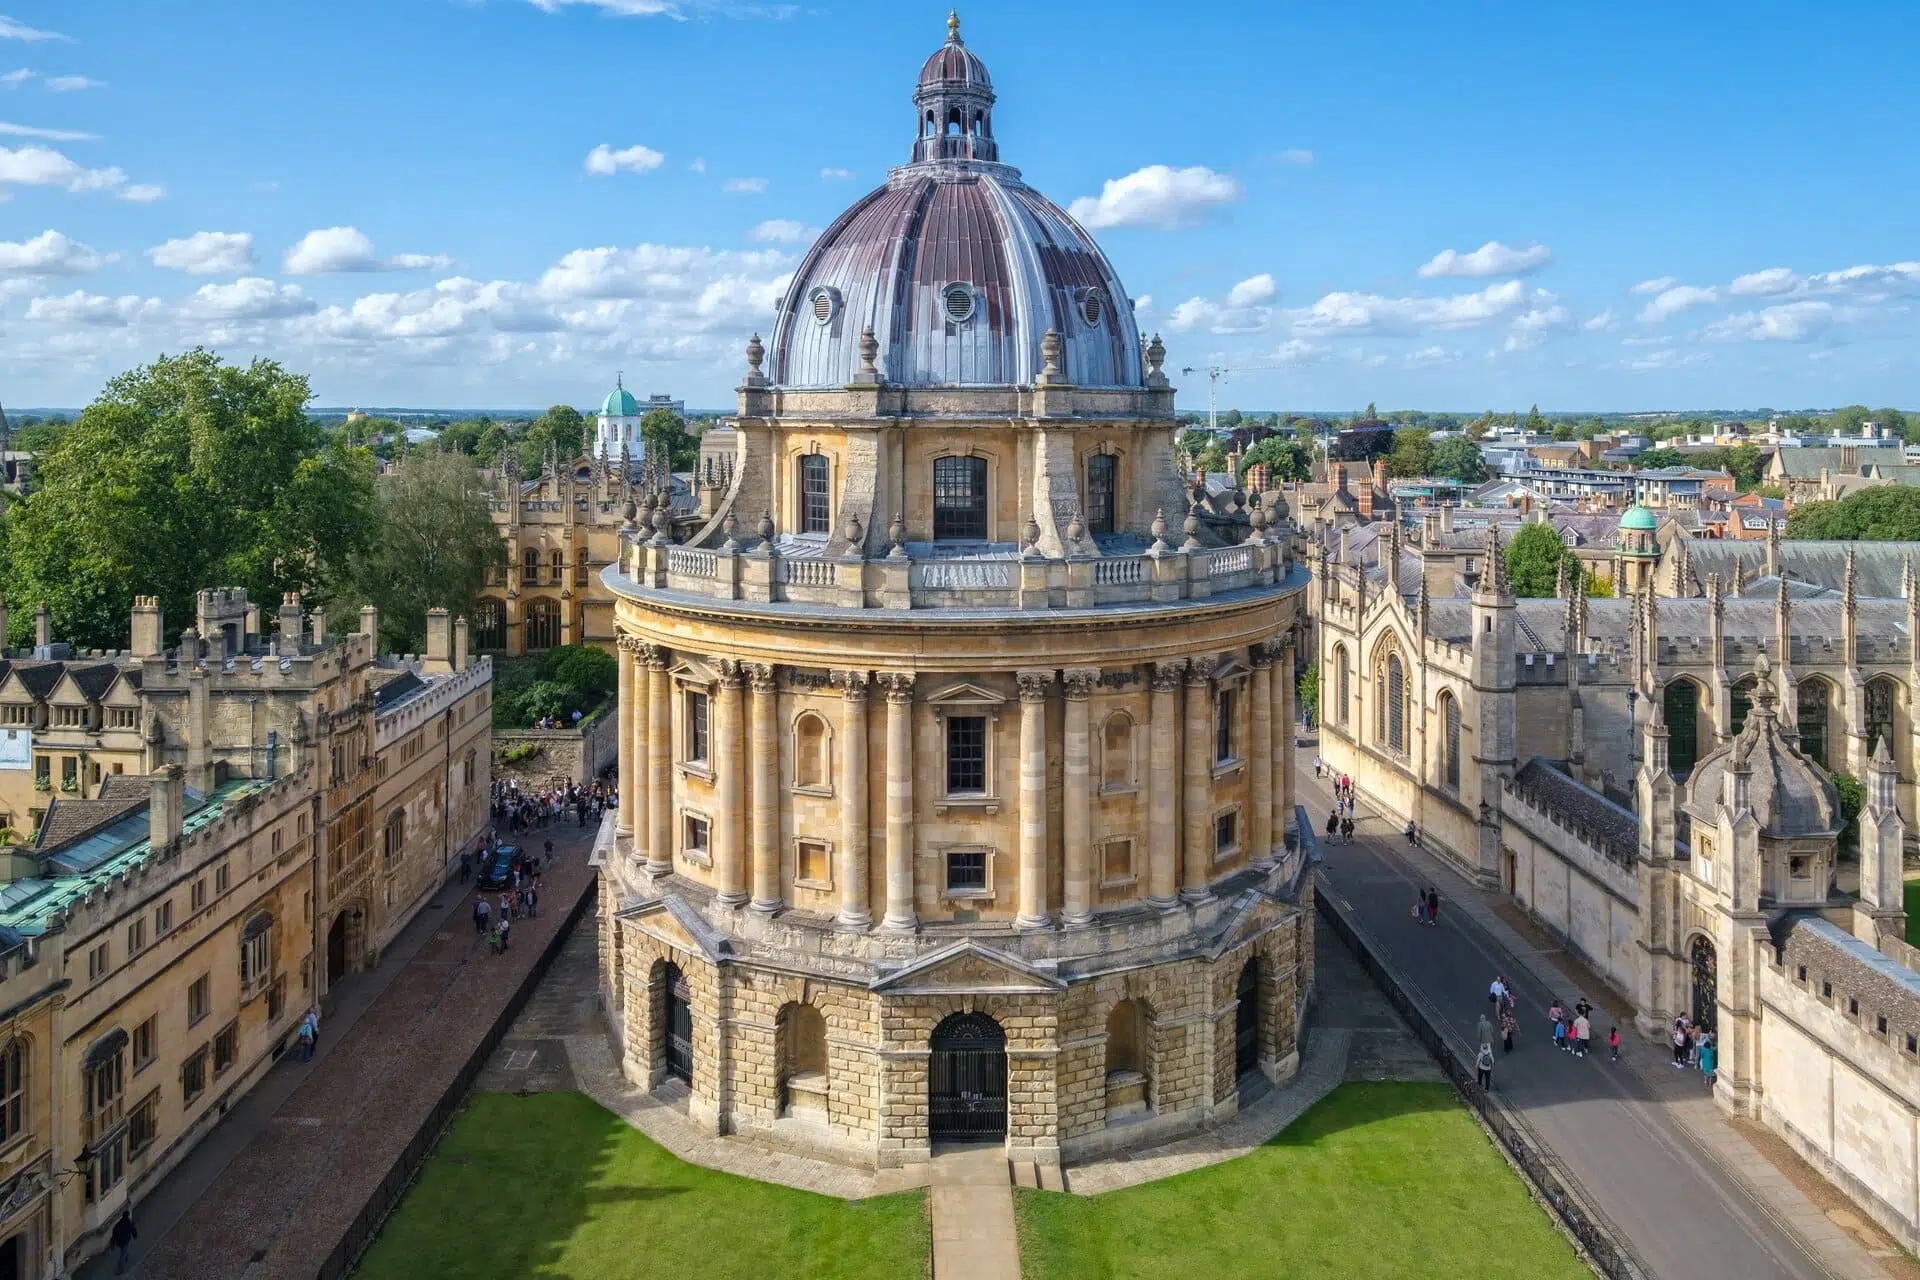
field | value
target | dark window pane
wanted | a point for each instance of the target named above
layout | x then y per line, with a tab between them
1100	483
960	498
966	754
816	507
696	726
1223	728
966	871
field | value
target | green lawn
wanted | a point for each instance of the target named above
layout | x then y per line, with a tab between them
1377	1180
555	1185
1912	890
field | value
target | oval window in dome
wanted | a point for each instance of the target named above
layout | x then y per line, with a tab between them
958	301
1091	304
825	303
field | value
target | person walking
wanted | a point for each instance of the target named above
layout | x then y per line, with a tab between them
1333	824
1483	1068
307	1036
1679	1043
1582	1035
1433	907
1346	829
124	1233
466	866
506	922
1613	1044
480	913
1496	990
1709	1058
1413	835
533	899
1486	1031
1509	1023
1319	768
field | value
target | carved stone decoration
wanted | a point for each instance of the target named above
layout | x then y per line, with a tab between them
1075	530
1160	530
853	684
766	526
869	372
658	657
755	354
731	527
1079	682
1156	357
898	685
897	535
1121	678
731	671
1200	670
1167	676
1034	685
1262	654
1050	355
761	676
802	678
1192	528
856	535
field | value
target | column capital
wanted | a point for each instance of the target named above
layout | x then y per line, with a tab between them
853	684
1262	655
1200	671
731	672
656	655
898	685
1079	682
1166	675
1035	685
760	675
629	644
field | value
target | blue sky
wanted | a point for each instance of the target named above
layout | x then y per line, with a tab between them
502	202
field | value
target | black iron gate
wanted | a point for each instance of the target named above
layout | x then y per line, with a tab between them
679	1026
967	1079
1706	985
1246	1020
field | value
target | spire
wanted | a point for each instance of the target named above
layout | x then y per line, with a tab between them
953	27
1773	546
1496	572
1422	606
1849	584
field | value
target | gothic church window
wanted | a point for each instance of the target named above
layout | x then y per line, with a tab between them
1812	720
1390	704
1880	701
1450	741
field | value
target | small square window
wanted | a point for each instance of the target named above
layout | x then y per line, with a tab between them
162	920
97	963
1853	1007
1913	1044
1800	867
1880	1024
199	893
1803	973
810	863
136	936
967	871
1826	991
696	837
1226	834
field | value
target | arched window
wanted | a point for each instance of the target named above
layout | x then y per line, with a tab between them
816	501
13	1090
543	624
1742	702
927	126
1450	741
810	764
1390	703
558	565
1680	707
1116	751
1881	696
956	125
801	1033
530	567
490	625
1342	684
959	499
1813	702
1101	472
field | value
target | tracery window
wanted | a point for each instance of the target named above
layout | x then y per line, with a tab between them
1342	685
1450	741
1880	700
1812	720
1390	704
1742	703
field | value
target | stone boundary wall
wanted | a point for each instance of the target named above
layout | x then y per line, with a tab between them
577	755
1605	1247
1575	892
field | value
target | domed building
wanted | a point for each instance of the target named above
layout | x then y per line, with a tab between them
956	744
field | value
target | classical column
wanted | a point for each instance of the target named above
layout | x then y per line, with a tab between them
1260	739
1197	859
900	913
765	765
1034	686
729	789
1163	775
1076	816
659	763
1283	720
627	650
853	801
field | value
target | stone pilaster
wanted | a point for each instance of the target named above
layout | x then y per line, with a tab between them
627	652
899	690
854	819
1197	854
1076	817
1283	722
659	762
1260	758
1163	786
765	740
1034	687
729	789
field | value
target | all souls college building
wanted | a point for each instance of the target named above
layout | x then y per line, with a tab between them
957	743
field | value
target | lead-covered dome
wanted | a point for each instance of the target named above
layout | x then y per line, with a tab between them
1789	794
958	266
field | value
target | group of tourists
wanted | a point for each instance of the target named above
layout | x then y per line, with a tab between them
1426	906
521	809
519	900
1340	821
1695	1046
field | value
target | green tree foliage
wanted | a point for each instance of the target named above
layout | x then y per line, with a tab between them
1288	459
1654	459
1852	796
1563	433
1310	693
184	474
666	435
561	681
1886	514
1412	453
434	546
1459	459
1533	560
40	437
1743	460
560	428
1534	421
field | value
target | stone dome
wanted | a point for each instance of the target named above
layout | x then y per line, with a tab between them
958	267
1790	795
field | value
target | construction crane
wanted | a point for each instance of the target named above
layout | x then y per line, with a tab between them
1214	373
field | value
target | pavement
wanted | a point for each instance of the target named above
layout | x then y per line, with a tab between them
270	1190
1642	1142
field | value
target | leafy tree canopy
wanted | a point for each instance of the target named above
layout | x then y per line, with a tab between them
666	434
1288	459
562	428
562	680
1653	459
1412	453
1459	459
185	474
1886	514
1533	560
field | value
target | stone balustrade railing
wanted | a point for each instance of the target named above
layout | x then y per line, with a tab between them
761	574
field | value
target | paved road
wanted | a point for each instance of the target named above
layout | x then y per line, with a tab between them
1686	1218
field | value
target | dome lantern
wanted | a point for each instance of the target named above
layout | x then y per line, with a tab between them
953	104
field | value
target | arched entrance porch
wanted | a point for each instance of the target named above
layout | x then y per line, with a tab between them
967	1080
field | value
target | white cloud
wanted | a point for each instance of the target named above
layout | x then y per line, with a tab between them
1158	197
1242	312
697	165
1143	303
1667	358
12	30
141	193
783	231
1601	323
15	78
249	298
1765	283
665	272
1490	259
1671	301
835	175
49	254
82	308
603	161
72	84
621	8
1868	283
337	250
50	135
744	186
1298	351
1298	156
1789	322
45	167
207	253
1530	327
1427	356
1252	290
1659	284
1355	313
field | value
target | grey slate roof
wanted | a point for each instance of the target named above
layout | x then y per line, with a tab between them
1554	791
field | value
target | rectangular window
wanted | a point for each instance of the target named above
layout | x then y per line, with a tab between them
199	893
816	502
221	878
193	1075
226	1047
108	1167
696	727
162	920
1116	861
43	769
967	871
143	1126
277	998
197	999
1800	868
97	963
696	846
13	1091
960	499
810	862
146	1038
1101	471
102	1099
394	840
1226	833
966	755
69	772
1222	727
255	957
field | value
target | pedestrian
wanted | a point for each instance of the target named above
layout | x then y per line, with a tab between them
1709	1058
533	897
1560	1035
1483	1068
466	866
1419	907
548	860
1613	1043
1413	835
505	923
123	1236
1555	1010
1319	767
307	1036
1346	830
1433	907
1509	1023
480	913
1333	825
1693	1046
493	941
1486	1031
1495	990
1679	1043
1582	1035
506	906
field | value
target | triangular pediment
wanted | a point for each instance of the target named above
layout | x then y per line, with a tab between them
674	921
965	694
968	966
693	671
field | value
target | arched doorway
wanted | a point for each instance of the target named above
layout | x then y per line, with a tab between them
337	949
1704	968
679	1023
967	1079
1246	1019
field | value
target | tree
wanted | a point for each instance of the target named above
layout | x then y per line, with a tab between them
432	546
1534	558
667	437
560	428
1459	459
184	474
1889	513
1412	453
1287	459
1310	693
1743	460
1654	459
1534	421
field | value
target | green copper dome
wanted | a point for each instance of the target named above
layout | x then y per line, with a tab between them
1639	517
620	403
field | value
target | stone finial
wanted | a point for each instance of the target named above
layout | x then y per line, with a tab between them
869	355
897	536
755	354
731	527
632	523
1159	529
1192	528
1076	530
1032	536
1156	357
1050	350
766	526
856	534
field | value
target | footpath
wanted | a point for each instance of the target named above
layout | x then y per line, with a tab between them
272	1189
1643	1143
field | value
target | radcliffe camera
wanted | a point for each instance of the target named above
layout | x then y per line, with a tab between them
951	745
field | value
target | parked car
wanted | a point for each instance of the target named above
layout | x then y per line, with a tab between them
497	872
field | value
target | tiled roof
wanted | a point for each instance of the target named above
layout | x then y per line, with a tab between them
1550	789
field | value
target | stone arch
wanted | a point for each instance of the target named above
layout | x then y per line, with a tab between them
967	1078
1391	685
16	1055
1886	712
1130	1060
1246	1016
1342	684
800	1038
1813	717
1449	716
1687	730
1703	982
812	751
1116	752
1739	703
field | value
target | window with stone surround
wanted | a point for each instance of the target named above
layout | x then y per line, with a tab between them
1102	473
813	864
1116	754
1223	727
696	841
816	495
1226	834
1116	863
966	755
967	873
696	727
959	499
812	766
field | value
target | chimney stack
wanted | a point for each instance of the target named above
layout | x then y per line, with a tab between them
42	632
292	625
439	642
166	810
149	633
460	641
370	624
319	628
